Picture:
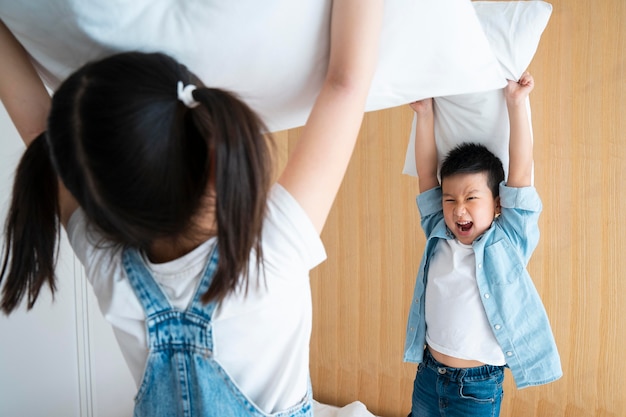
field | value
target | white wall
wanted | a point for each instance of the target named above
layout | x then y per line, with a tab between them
60	359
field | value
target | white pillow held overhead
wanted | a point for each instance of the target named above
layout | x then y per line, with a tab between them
272	53
513	29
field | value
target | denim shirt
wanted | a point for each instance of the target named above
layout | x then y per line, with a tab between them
513	306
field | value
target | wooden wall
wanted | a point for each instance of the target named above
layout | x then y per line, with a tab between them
362	293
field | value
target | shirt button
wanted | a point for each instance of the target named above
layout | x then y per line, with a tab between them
417	300
509	353
497	327
480	266
412	329
487	295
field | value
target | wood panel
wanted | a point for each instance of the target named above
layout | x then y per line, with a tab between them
362	293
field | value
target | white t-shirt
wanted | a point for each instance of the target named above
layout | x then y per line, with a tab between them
261	339
456	322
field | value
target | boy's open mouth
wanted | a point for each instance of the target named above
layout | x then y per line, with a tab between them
464	226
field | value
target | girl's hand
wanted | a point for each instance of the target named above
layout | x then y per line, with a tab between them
516	92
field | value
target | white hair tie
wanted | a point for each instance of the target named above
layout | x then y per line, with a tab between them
185	95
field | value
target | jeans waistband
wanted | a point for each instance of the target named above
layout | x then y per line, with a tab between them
459	373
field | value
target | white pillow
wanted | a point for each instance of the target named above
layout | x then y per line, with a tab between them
513	29
272	53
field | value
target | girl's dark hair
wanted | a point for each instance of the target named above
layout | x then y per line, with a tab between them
141	165
31	230
471	158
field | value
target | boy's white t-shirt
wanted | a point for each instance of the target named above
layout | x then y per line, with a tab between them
261	338
456	322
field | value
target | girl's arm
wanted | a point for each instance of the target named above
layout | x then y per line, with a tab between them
27	101
520	142
426	159
318	163
21	90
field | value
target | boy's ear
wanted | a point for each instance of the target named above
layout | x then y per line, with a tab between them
498	206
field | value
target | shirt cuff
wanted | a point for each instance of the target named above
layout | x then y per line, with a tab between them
429	202
524	198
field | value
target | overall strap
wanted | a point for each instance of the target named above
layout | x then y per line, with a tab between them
197	306
146	288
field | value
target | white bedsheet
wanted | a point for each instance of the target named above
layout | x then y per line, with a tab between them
354	409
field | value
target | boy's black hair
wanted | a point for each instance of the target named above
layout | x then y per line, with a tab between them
471	158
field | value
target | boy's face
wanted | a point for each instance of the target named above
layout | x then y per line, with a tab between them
468	205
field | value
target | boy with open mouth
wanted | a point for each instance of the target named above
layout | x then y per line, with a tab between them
475	308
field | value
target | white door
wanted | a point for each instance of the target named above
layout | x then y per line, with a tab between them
59	359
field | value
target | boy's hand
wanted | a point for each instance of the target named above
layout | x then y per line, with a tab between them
422	106
516	92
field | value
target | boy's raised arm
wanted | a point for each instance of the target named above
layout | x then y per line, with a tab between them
426	159
520	143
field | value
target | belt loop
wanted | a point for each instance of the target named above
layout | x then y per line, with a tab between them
462	373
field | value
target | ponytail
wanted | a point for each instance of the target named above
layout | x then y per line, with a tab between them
31	229
242	170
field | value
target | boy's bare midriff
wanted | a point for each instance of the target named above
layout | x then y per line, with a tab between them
453	362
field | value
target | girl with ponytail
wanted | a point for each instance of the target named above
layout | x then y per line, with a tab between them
164	186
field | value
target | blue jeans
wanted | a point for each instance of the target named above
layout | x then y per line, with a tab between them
441	391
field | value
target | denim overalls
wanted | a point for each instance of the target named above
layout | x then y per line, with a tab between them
181	376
